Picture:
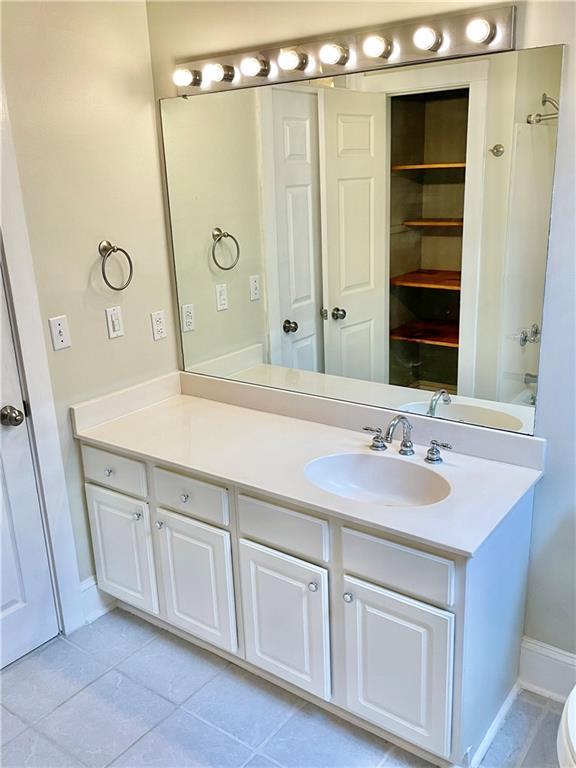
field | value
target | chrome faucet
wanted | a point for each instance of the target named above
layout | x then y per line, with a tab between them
406	446
440	394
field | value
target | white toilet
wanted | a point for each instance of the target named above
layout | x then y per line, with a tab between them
566	740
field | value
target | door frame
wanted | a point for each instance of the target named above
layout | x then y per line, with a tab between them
28	331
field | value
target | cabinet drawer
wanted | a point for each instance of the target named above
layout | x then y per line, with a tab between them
114	471
393	565
203	500
284	528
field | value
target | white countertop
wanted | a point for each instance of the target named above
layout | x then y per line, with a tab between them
267	453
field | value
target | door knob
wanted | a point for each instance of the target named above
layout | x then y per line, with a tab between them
289	326
338	313
11	416
137	515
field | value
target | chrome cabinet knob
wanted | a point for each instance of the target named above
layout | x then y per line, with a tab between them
338	313
313	586
347	597
108	472
159	524
137	515
184	497
11	416
289	326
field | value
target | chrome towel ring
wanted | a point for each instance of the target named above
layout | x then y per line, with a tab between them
105	248
217	235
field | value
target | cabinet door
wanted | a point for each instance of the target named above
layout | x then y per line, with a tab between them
122	547
285	608
197	574
399	655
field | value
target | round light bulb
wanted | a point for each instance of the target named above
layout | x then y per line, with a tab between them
331	53
252	66
217	73
480	31
291	59
427	39
376	47
182	77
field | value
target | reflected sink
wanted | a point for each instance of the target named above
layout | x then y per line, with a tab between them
377	479
471	414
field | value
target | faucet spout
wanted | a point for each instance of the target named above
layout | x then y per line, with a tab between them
440	394
406	446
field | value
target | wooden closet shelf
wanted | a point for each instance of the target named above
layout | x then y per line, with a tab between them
427	332
433	223
427	166
442	279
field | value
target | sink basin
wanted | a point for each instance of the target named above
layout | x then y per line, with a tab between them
377	479
471	414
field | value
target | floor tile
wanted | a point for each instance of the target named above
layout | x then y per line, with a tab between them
542	752
104	719
399	758
32	750
172	667
38	683
314	739
114	636
511	739
260	761
556	706
10	725
183	740
242	705
533	698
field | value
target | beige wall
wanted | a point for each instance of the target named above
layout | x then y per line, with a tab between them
79	93
180	30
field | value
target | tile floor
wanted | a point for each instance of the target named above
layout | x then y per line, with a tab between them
121	692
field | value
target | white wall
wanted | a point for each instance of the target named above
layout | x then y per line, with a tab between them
79	93
180	30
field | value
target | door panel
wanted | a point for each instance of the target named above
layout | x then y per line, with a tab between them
197	574
122	547
399	658
285	608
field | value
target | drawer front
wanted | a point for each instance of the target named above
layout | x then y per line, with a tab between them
306	535
394	565
114	471
203	500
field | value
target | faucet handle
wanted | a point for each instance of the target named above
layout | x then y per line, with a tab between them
434	456
378	443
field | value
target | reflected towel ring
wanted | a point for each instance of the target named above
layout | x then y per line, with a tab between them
105	248
217	235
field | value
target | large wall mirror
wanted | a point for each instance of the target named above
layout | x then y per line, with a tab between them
377	237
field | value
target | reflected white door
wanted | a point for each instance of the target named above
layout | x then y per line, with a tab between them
295	121
28	613
354	241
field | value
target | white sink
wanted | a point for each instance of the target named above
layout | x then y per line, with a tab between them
471	414
377	479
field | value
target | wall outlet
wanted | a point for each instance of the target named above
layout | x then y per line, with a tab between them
254	287
187	318
158	325
221	297
114	322
60	332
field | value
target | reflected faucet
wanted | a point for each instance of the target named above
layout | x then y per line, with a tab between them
406	446
440	394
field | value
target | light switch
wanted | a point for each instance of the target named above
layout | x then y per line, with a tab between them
60	332
187	319
254	287
221	297
158	325
114	322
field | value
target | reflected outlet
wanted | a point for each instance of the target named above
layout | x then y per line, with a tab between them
187	319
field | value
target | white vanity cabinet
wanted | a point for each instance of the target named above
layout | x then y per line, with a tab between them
286	623
196	565
122	547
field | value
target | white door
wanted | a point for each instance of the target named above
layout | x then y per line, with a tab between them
286	623
28	615
297	192
197	575
399	655
122	547
354	239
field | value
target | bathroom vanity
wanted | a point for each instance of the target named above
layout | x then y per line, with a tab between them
397	604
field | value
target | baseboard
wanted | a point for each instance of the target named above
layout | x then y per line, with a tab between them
95	602
547	670
494	727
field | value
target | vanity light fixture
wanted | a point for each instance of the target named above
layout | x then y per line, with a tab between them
290	60
377	47
480	31
218	73
427	39
332	53
183	78
253	66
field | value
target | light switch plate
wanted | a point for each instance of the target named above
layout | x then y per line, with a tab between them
158	325
60	332
114	322
254	287
187	319
221	297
